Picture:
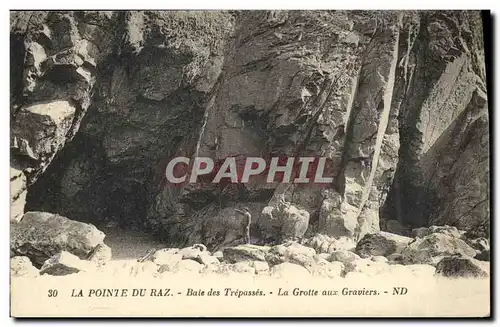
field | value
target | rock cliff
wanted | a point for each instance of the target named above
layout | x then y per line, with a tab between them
101	101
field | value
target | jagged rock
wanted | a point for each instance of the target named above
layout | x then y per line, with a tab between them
245	252
22	267
457	266
288	270
326	244
432	248
41	129
442	174
100	255
65	263
40	235
381	244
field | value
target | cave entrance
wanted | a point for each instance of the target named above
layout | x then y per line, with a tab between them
80	185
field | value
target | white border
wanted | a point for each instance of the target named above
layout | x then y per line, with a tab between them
199	4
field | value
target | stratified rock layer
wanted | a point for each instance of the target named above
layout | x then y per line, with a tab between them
396	100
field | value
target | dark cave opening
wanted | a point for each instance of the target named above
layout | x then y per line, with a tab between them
80	185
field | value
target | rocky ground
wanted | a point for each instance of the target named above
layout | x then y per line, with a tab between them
70	247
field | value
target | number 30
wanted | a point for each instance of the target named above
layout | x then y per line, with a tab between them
52	293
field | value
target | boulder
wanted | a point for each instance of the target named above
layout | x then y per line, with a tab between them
291	252
40	235
65	263
43	127
245	252
381	244
22	267
432	248
458	266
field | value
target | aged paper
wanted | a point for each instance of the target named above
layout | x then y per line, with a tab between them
249	164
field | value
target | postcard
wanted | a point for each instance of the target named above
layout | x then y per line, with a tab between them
250	163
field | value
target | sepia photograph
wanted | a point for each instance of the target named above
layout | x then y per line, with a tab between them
250	163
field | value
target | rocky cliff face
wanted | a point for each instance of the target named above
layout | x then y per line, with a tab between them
101	101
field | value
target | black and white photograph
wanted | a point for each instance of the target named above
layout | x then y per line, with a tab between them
250	163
